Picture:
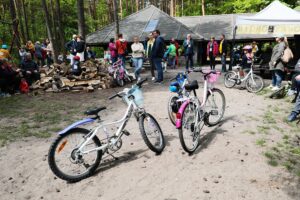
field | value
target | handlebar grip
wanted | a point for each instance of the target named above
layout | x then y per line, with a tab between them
140	83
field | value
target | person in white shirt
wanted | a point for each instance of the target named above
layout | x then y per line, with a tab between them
137	56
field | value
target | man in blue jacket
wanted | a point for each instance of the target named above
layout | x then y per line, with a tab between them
188	45
157	55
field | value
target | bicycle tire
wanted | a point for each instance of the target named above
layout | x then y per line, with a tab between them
183	142
227	82
257	79
52	157
172	117
120	82
214	91
152	122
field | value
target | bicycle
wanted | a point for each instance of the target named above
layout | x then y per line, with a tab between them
76	152
254	83
193	115
178	88
120	75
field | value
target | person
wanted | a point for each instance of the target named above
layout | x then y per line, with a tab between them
223	52
170	55
71	46
38	54
121	46
80	48
49	52
276	65
113	50
75	67
188	45
4	53
177	50
150	44
9	78
137	56
22	53
296	111
90	54
30	48
247	59
212	51
255	48
30	69
157	55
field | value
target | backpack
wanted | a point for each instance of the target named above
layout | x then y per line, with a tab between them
287	55
24	87
297	66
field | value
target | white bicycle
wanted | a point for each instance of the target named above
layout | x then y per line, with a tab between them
76	153
253	82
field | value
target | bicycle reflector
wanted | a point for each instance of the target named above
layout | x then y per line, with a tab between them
178	116
62	146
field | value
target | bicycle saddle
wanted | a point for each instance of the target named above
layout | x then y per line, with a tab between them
192	86
94	111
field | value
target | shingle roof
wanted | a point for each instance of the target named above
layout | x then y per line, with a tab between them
135	25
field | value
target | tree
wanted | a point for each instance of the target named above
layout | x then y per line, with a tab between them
203	7
60	27
116	17
80	14
14	20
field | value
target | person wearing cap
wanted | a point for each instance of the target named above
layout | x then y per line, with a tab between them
276	64
30	69
212	51
71	46
150	44
4	53
38	53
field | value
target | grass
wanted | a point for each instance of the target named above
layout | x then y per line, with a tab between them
263	129
263	92
261	142
268	117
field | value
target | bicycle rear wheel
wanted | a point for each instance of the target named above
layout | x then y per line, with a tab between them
215	106
230	79
254	84
151	133
173	107
66	162
189	139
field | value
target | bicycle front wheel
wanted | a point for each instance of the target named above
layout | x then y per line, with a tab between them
67	163
151	133
215	107
230	79
254	84
188	136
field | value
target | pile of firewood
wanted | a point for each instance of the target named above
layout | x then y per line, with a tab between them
57	78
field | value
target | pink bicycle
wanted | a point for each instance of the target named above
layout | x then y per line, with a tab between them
119	74
193	114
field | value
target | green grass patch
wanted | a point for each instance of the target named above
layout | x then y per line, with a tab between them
268	117
261	142
263	129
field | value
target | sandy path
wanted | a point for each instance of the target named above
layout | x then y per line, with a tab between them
228	165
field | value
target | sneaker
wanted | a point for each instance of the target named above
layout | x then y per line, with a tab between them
292	117
275	88
291	92
153	78
138	79
270	87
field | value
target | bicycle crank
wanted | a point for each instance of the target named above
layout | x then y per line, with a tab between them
114	144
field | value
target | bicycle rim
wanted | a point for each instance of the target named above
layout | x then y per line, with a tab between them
215	107
229	79
254	84
172	115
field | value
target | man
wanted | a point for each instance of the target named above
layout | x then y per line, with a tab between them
188	45
4	53
38	54
71	46
177	49
223	52
158	54
9	78
121	46
150	44
212	51
30	69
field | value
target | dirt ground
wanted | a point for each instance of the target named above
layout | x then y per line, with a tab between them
228	165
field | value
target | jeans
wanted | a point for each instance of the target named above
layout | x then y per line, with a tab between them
277	76
223	61
71	59
172	61
160	73
212	61
138	64
189	60
297	105
122	57
152	67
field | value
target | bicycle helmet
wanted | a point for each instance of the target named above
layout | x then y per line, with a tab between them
4	46
173	88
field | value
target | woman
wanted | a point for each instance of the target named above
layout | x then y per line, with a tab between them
137	56
170	55
80	48
212	51
113	50
247	60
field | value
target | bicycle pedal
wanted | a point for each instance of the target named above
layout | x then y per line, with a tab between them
125	132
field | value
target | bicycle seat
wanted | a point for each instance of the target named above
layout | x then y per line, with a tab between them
192	86
94	111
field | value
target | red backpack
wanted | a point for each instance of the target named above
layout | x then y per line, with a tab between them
24	87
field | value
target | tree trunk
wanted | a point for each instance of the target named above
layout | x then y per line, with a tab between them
116	17
60	27
25	19
203	7
14	21
80	14
49	30
137	5
121	9
19	13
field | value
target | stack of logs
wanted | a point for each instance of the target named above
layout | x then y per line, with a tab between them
57	78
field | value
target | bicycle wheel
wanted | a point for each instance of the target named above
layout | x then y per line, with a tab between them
230	79
173	107
189	139
254	84
215	107
66	163
120	82
151	133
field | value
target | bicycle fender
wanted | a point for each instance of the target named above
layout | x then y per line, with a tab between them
76	124
181	109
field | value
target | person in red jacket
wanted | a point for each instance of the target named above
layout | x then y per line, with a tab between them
121	46
212	51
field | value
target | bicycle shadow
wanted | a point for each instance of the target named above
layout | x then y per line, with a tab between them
169	138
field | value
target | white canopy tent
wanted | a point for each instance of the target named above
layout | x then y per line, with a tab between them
275	18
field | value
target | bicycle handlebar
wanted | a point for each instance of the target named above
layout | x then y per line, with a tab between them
141	82
114	96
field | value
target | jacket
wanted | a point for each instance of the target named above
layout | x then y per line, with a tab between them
71	46
121	45
188	47
171	51
137	50
224	46
80	47
150	44
276	63
29	65
215	48
158	48
112	49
